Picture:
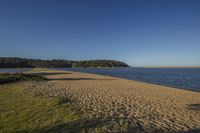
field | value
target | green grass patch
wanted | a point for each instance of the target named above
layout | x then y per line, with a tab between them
23	111
7	78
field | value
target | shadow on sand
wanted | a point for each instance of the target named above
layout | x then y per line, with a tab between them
195	107
53	73
74	79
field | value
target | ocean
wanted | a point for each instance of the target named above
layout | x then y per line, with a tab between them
182	78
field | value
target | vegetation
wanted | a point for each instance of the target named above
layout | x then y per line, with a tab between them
100	63
13	62
23	111
6	78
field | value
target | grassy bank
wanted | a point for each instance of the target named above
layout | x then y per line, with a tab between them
21	111
7	78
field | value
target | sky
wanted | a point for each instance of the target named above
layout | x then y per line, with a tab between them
138	32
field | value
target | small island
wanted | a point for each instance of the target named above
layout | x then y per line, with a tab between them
15	62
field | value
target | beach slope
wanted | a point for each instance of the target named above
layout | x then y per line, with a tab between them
124	105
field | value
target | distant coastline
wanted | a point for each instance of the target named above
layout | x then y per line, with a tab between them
16	62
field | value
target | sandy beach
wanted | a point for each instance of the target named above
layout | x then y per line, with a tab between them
124	105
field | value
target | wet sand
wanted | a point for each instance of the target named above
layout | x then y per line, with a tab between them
125	105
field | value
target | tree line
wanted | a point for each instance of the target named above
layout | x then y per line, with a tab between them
15	62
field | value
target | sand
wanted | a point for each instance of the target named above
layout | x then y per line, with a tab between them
125	105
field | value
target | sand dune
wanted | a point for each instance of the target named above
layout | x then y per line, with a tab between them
125	105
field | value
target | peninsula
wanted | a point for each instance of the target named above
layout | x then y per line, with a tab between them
15	62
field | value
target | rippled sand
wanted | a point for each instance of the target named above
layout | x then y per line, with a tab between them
125	105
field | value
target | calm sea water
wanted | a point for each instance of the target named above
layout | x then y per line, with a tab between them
183	78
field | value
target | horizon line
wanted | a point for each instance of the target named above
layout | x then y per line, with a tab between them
166	66
150	66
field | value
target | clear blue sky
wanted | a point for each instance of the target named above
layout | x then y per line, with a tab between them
139	32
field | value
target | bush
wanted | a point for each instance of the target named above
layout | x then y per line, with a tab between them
7	78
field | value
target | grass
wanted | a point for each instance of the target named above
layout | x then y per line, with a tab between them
7	78
23	111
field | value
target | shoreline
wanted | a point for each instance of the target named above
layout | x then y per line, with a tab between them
115	100
47	70
143	82
187	89
60	69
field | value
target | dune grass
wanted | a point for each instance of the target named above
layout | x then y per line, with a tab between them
7	78
23	111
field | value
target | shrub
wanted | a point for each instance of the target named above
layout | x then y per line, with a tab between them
7	78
